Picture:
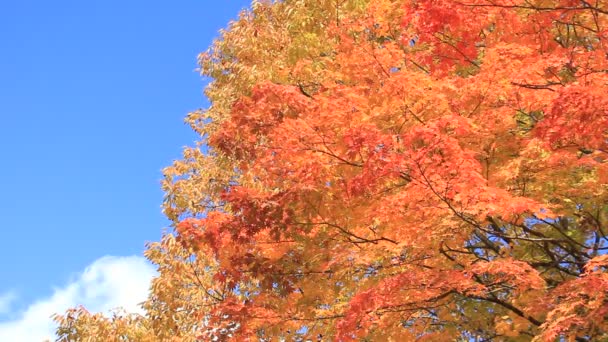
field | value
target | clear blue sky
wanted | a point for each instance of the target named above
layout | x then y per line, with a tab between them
92	100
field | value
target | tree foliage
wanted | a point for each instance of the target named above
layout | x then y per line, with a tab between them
389	171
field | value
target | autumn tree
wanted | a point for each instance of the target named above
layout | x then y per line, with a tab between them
390	171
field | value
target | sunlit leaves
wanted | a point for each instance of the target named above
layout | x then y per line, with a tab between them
392	170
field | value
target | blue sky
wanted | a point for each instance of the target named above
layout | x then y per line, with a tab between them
92	100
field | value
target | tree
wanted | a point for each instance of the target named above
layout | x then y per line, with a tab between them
390	170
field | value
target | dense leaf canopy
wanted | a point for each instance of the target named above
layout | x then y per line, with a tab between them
389	171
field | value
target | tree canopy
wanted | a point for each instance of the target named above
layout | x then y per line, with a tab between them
389	171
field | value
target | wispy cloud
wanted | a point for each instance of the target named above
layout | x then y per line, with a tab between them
107	283
6	300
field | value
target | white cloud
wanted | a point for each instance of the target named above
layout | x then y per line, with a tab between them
107	283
